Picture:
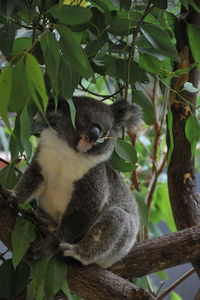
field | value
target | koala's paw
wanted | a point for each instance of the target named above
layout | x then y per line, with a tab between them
68	249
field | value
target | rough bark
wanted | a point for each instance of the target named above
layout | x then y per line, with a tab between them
92	282
181	176
160	253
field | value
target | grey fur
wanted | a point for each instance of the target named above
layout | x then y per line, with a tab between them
95	214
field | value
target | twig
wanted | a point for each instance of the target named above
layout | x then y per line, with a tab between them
175	284
10	164
99	95
132	47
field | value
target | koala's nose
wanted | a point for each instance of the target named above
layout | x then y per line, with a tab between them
94	133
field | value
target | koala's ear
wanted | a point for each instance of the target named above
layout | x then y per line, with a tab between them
126	114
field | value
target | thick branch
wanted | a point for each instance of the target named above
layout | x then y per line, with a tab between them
181	174
93	282
160	253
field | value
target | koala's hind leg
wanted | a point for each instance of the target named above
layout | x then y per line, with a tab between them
112	226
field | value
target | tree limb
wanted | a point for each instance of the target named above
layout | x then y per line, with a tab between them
160	253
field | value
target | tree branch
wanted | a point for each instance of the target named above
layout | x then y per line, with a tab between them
160	253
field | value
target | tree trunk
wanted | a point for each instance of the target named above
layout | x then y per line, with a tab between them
181	176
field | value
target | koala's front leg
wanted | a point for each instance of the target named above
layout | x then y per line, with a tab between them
30	185
114	228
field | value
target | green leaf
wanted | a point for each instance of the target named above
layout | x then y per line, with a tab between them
19	83
13	281
194	41
195	6
36	80
163	275
126	151
66	290
161	210
36	288
8	177
119	164
142	208
73	52
160	40
71	14
23	234
21	44
7	35
72	111
192	131
56	276
141	99
123	23
175	296
67	75
171	137
104	5
26	126
51	52
5	89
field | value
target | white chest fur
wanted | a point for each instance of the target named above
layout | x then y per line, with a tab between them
61	167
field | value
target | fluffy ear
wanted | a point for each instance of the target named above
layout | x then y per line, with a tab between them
126	114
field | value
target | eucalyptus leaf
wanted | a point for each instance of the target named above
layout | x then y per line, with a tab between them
51	54
23	234
73	52
194	41
36	287
126	151
72	111
147	108
171	137
70	14
120	164
13	281
160	40
5	89
192	131
36	81
26	127
56	276
8	177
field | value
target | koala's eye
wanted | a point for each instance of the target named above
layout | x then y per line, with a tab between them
94	133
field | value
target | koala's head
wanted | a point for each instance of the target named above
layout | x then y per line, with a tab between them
96	125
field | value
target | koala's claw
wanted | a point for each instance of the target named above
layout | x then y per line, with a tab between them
68	249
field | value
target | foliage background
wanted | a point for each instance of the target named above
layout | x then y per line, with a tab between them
105	49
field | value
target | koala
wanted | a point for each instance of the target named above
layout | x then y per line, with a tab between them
93	213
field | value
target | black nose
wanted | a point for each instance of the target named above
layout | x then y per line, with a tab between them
94	133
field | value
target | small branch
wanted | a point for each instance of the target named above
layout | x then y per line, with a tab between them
132	46
175	284
99	95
